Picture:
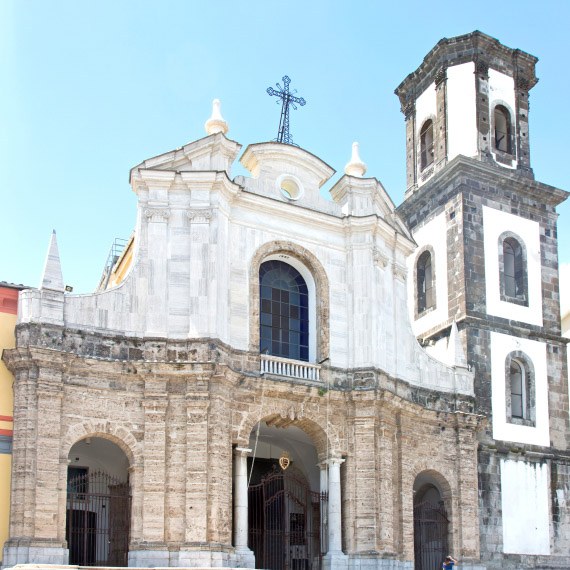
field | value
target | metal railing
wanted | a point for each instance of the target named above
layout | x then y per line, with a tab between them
290	368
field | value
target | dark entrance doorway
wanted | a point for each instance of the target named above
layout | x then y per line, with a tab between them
98	518
284	519
430	530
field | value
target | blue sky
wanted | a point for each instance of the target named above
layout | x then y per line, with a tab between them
90	89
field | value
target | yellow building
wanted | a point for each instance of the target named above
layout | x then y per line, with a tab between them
8	312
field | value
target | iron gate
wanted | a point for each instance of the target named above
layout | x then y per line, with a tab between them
285	523
430	535
98	520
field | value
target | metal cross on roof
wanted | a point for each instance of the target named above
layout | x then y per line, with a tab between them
289	99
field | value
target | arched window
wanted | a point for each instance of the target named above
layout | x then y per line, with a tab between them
502	134
520	389
284	311
516	372
426	144
425	282
513	272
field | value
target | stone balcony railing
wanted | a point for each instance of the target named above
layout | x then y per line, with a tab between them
289	368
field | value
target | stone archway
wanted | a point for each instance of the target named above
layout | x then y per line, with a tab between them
431	521
286	504
98	503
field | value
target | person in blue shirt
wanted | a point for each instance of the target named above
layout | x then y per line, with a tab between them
449	563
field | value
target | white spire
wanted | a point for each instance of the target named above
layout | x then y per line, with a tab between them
355	167
216	124
52	277
455	352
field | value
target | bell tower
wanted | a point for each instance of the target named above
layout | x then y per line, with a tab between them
468	97
486	271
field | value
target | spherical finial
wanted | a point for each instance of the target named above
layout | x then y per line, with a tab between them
216	124
355	167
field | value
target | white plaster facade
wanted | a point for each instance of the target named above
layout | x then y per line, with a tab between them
501	346
502	92
461	111
434	235
197	232
524	498
496	223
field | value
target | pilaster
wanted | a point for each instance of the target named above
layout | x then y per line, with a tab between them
154	465
482	113
522	105
411	151
440	126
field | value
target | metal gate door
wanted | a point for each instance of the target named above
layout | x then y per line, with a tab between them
430	535
98	520
285	523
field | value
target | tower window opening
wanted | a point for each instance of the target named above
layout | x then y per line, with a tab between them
426	145
513	270
502	134
517	390
425	282
520	389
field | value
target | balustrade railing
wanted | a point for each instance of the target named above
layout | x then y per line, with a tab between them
290	368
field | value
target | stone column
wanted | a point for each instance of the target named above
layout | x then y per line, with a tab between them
324	514
245	557
335	558
240	497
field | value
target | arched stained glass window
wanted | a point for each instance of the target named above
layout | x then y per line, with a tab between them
284	311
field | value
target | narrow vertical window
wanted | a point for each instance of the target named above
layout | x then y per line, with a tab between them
426	145
284	311
513	271
517	390
502	135
520	389
425	282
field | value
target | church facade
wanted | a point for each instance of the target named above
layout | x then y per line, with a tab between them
252	393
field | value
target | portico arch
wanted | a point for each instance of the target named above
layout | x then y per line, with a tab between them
287	484
432	527
98	503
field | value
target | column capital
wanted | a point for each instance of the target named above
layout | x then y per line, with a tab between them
241	451
334	461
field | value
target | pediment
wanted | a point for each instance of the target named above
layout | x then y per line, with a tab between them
214	152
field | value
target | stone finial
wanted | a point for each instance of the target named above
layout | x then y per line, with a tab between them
52	277
455	352
355	167
216	124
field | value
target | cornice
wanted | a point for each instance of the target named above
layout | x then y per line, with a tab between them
462	167
475	46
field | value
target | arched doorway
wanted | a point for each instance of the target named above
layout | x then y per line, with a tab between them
431	525
286	507
98	508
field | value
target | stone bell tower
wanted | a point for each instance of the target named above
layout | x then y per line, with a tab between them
487	263
468	97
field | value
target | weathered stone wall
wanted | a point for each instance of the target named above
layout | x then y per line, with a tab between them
177	420
464	189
